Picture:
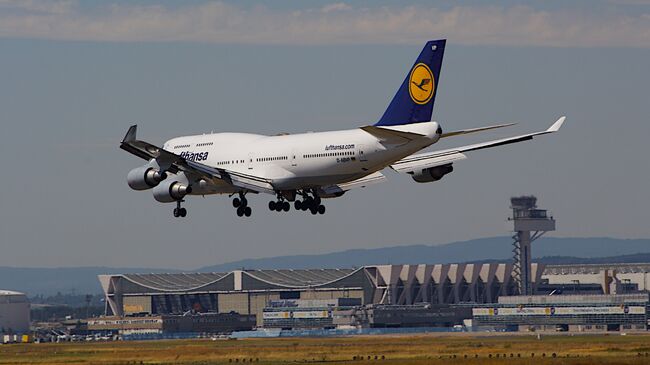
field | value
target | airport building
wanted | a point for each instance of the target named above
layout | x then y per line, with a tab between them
243	292
249	291
348	312
377	295
306	313
582	313
213	323
14	313
394	316
379	291
611	278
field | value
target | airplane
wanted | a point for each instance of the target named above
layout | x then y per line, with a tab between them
306	168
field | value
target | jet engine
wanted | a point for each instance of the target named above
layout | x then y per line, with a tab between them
145	177
170	191
432	174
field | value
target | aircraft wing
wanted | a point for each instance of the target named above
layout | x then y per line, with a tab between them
238	179
438	158
174	163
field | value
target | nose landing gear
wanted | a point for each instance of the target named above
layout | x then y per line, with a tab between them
178	211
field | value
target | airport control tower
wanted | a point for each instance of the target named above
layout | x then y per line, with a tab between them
529	224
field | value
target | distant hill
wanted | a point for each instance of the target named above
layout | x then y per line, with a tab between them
623	259
565	260
495	248
76	280
82	280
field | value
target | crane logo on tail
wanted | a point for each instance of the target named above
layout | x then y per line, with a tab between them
421	84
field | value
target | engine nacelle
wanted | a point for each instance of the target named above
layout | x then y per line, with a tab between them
171	191
145	177
432	174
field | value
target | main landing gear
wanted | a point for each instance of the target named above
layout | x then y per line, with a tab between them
311	203
241	203
280	205
178	211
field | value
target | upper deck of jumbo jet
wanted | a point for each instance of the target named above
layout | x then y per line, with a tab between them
217	138
237	139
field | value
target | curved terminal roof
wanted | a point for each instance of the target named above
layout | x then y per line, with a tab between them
300	278
174	282
246	280
10	292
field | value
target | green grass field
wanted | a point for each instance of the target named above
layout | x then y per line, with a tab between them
415	350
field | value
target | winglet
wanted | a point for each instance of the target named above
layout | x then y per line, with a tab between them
557	125
130	134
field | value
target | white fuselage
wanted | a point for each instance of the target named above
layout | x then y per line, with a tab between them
299	161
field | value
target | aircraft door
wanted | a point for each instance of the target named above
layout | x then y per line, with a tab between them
362	153
294	157
251	159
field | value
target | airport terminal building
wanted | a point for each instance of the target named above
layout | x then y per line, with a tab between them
249	291
578	313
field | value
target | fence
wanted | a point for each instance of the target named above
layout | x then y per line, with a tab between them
338	332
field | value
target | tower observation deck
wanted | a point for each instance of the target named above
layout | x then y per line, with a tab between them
529	224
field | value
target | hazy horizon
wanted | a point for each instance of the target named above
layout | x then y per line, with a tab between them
76	75
188	269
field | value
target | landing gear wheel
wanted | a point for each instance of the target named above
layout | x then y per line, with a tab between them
178	211
286	206
321	209
313	210
272	205
297	204
241	203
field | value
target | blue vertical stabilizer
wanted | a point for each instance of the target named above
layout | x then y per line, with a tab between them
413	102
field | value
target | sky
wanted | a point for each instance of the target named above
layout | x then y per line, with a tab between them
75	75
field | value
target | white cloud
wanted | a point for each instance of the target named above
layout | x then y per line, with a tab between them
335	7
336	23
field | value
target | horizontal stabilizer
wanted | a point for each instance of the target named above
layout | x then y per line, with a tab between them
474	130
437	158
391	135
